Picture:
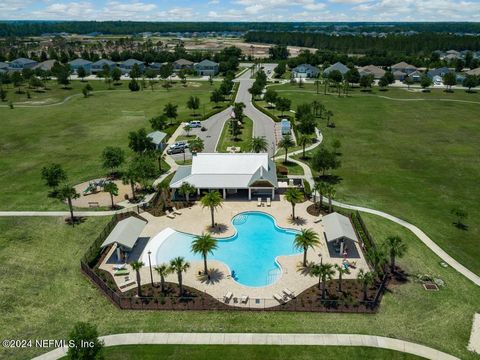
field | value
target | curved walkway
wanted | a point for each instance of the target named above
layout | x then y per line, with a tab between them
379	342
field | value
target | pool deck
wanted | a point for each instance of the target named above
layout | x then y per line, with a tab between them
196	220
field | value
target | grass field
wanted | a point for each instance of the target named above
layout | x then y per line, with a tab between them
414	159
243	139
42	294
219	352
74	135
293	168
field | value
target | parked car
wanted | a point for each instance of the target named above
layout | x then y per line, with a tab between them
177	148
195	124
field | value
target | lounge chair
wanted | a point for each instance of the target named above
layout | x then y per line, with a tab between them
244	299
259	203
318	219
289	292
269	202
175	211
227	297
278	298
170	214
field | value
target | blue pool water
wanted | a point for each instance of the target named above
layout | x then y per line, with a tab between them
250	253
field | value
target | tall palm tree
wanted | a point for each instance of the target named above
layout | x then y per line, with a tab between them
324	272
137	265
67	192
163	270
378	259
112	189
321	187
303	140
130	178
330	192
366	278
186	189
341	270
204	244
179	265
286	143
258	144
307	238
170	111
395	248
293	196
212	200
329	114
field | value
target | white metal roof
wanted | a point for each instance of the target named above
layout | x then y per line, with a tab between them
337	226
126	232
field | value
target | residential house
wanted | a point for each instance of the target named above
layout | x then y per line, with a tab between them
403	67
127	65
155	66
21	63
182	64
78	63
97	66
474	72
3	67
415	76
438	72
206	68
337	66
158	138
372	70
233	173
305	71
399	75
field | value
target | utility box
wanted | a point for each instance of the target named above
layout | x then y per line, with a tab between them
286	127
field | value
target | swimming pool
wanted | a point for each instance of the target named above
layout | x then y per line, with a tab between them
250	253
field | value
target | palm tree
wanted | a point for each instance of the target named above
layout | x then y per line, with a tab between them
137	265
366	278
378	259
303	140
259	144
112	189
321	187
163	270
324	272
330	192
212	199
179	265
129	177
170	111
293	196
329	114
395	248
307	238
341	270
204	244
196	145
186	189
67	192
286	143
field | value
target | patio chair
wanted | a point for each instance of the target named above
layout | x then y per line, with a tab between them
244	299
278	298
170	214
269	202
289	292
259	203
227	297
318	219
175	211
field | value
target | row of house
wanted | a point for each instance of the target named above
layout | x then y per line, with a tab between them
455	55
203	68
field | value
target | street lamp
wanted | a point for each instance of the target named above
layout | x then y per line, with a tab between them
150	265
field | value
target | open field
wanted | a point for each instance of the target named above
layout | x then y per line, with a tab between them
243	138
43	294
74	135
414	159
219	352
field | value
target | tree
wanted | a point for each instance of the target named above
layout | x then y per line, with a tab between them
366	278
212	200
35	82
293	196
116	74
450	79
193	103
112	189
3	94
143	166
280	69
139	142
336	145
396	248
383	83
352	76
270	96
255	90
278	52
87	89
303	140
378	259
324	272
307	238
186	189
53	175
321	187
133	85
238	111
366	81
389	76
81	73
470	82
170	111
112	158
137	266
135	72
196	145
204	244
17	80
216	96
330	193
179	265
336	77
282	104
341	270
307	123
286	143
67	192
324	160
425	82
259	144
158	123
408	81
63	76
166	71
163	270
234	128
187	129
84	333
461	215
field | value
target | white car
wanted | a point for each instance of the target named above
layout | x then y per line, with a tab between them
195	124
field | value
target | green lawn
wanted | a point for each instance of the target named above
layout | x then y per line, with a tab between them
243	139
43	293
222	352
74	135
293	168
414	159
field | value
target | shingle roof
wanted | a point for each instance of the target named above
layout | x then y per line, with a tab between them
474	71
305	67
23	61
3	65
183	62
126	232
372	69
337	66
79	62
131	62
102	62
403	65
338	226
207	62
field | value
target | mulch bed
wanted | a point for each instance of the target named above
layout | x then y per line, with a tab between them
316	210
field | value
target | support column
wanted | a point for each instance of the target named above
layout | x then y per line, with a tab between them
198	192
273	193
249	194
118	252
224	194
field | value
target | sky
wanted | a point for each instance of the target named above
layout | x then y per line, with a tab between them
242	10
